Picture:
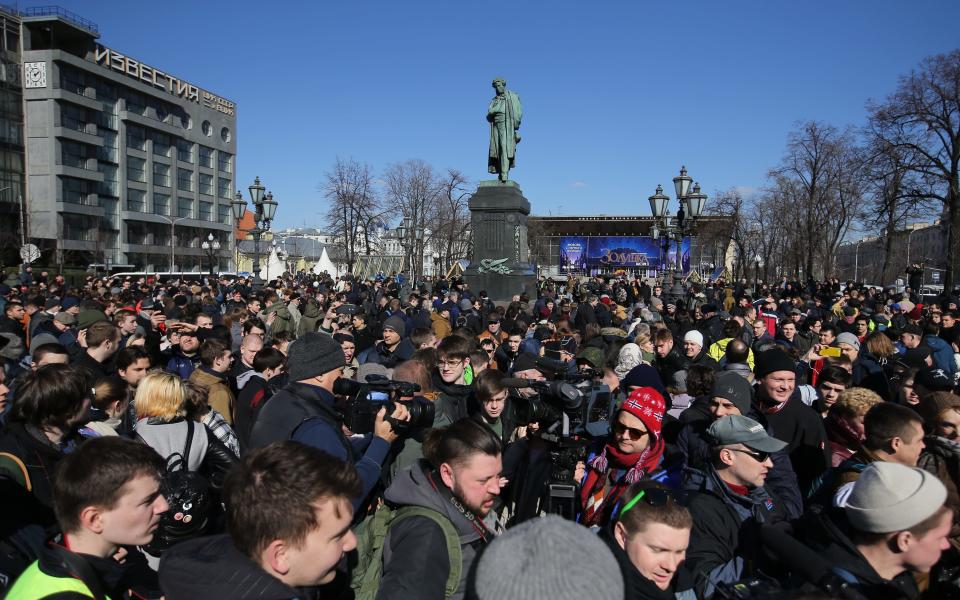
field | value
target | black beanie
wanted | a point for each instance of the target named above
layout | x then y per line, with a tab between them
769	361
312	355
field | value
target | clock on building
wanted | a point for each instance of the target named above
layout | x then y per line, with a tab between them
35	75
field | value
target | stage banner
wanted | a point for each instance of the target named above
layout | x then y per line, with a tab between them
583	253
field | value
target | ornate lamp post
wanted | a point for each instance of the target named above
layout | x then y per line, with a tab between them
265	208
757	263
691	207
211	247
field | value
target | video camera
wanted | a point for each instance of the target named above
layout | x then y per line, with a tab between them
365	399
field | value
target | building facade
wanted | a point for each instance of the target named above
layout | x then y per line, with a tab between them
123	164
925	243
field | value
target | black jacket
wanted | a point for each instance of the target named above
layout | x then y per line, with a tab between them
453	403
284	412
638	587
670	364
211	567
828	534
802	429
724	540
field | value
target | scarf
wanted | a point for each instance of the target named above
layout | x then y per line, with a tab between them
838	430
636	466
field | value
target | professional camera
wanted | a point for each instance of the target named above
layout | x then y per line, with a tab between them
569	418
365	399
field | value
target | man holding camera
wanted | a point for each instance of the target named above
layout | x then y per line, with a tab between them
315	362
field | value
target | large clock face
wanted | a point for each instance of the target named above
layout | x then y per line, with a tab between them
35	75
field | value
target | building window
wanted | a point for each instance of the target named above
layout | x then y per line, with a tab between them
225	162
206	211
223	213
108	151
223	188
184	151
76	118
136	104
185	180
79	191
136	200
161	174
185	208
75	154
161	144
206	184
136	169
161	204
206	157
136	138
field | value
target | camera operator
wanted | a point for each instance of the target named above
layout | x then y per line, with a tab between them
633	450
649	540
315	362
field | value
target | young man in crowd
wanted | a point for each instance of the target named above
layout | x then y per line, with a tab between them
288	513
450	380
102	340
107	498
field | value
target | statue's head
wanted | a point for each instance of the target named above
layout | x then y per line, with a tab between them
499	84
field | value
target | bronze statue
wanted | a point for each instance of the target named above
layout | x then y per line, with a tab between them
504	117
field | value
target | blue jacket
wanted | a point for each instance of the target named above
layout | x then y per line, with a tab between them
183	366
942	353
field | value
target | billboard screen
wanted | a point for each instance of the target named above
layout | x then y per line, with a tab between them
581	253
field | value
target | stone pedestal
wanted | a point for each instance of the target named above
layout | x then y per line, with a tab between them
501	258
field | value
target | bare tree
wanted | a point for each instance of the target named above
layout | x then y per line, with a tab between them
354	210
448	219
922	118
412	191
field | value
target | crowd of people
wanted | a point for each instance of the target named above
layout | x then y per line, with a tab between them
325	437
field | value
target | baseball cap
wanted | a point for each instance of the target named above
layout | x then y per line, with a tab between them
65	318
934	379
737	429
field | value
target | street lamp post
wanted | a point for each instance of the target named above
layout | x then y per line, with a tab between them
691	207
173	239
265	208
856	262
211	247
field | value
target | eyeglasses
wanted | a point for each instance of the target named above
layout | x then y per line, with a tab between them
631	433
653	497
453	362
758	455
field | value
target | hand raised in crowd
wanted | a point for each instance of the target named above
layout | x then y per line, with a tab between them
157	318
82	338
383	428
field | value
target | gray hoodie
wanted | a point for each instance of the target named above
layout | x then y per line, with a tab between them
169	438
416	544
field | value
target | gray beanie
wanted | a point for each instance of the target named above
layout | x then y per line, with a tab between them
312	355
396	323
466	305
547	558
735	388
890	497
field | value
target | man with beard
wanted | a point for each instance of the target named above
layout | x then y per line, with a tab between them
458	482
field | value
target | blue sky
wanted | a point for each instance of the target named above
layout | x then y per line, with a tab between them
616	95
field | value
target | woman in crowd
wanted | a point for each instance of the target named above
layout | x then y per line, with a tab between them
111	397
844	422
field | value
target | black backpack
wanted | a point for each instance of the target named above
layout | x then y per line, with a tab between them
190	499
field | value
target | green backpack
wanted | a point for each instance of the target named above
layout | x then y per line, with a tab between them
371	536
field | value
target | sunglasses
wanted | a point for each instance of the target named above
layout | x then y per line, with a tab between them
653	497
631	433
757	455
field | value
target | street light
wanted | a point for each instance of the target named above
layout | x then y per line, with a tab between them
173	238
757	262
265	208
212	247
692	203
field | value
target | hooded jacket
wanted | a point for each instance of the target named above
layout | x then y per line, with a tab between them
725	526
287	319
415	560
310	319
212	567
219	396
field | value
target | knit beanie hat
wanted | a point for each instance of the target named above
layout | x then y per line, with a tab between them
891	497
733	387
550	558
643	375
648	405
396	323
312	355
694	336
773	360
848	338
